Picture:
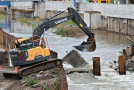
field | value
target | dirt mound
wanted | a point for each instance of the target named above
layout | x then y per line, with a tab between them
74	31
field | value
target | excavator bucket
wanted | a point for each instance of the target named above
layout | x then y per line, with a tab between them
88	46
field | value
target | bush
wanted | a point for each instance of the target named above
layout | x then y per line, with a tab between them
61	32
31	81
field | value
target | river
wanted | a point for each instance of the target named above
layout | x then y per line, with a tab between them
108	47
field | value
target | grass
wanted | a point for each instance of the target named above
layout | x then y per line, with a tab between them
57	85
32	22
2	16
46	88
22	20
62	28
69	22
31	81
61	31
121	52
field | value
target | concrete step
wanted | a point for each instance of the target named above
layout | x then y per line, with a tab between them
79	70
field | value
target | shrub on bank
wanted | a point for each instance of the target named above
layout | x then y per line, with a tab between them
31	81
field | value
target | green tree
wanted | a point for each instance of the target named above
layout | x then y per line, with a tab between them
131	1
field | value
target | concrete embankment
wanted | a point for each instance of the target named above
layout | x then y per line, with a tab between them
110	17
94	20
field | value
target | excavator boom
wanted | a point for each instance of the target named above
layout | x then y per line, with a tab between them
73	15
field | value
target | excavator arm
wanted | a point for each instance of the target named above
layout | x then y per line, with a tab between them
90	45
50	22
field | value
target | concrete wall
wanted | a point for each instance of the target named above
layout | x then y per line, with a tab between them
113	10
118	25
93	19
18	27
111	17
22	5
22	14
40	9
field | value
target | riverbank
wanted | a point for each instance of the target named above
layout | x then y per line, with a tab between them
2	16
68	29
44	80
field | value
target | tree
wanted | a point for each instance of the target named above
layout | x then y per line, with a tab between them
131	1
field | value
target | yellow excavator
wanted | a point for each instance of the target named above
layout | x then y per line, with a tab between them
32	55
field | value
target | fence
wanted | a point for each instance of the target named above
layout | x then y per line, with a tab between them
7	39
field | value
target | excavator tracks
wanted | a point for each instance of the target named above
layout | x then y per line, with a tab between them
45	65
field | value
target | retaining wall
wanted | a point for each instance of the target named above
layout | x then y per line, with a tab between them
112	10
119	25
7	39
111	17
18	13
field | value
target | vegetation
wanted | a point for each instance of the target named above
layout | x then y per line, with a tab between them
61	31
121	52
131	1
32	22
46	88
2	16
31	81
68	28
89	0
62	28
57	85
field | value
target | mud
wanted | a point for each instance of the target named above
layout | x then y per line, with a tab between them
52	79
6	82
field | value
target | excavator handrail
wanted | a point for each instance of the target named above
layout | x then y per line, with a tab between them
40	38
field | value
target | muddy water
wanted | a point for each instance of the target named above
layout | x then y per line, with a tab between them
108	47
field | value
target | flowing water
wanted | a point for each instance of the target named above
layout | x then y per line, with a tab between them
108	47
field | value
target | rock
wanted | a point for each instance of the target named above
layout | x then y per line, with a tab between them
130	69
128	51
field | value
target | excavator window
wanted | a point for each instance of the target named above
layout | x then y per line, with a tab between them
25	46
36	43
